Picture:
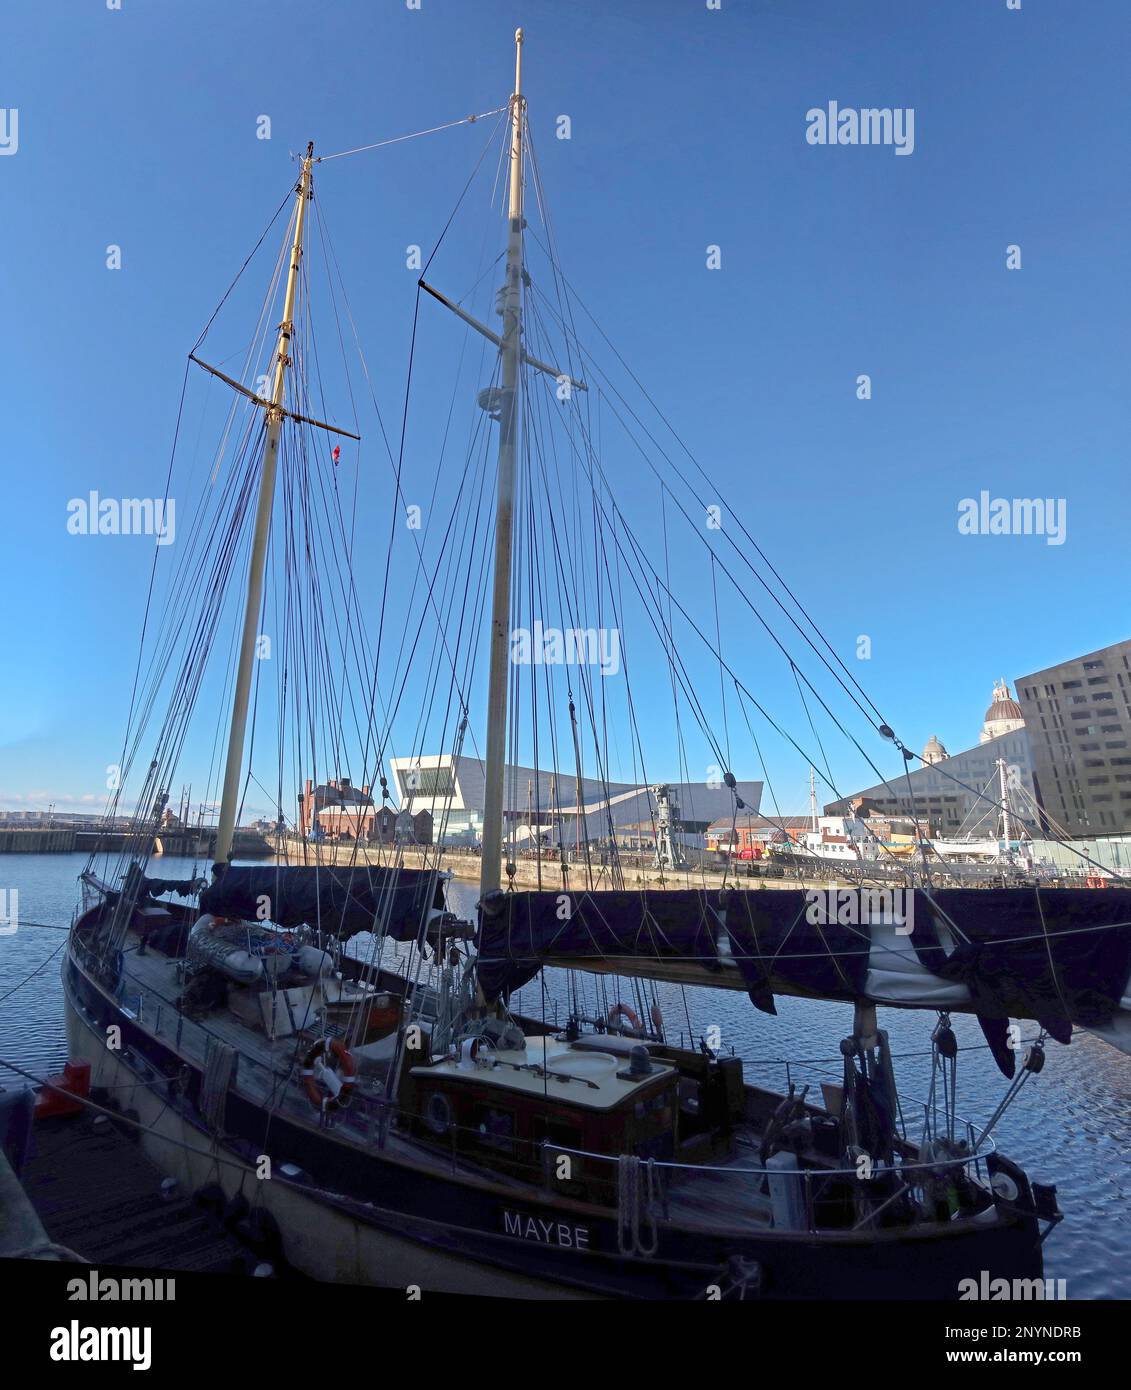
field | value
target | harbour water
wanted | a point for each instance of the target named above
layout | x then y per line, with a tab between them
1070	1125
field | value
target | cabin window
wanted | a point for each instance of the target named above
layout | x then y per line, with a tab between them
657	1104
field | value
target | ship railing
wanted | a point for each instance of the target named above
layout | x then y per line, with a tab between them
272	1085
914	1120
277	1086
819	1201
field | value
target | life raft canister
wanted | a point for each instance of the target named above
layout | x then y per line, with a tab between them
619	1011
337	1081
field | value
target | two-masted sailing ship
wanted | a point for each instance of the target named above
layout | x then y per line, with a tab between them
383	1112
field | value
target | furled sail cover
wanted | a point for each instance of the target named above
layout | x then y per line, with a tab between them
183	887
339	899
1060	956
519	932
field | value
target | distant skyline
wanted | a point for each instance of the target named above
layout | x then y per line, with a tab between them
959	742
971	274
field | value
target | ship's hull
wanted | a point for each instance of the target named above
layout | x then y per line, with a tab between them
355	1216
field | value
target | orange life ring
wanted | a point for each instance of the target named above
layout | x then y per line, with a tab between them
620	1010
335	1097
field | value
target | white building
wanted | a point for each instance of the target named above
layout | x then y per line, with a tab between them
552	805
957	793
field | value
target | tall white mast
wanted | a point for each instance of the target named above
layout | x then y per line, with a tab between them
1005	826
510	353
813	799
275	412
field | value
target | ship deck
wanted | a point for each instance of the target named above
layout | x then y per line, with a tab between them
268	1070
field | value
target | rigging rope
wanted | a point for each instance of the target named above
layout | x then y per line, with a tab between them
415	135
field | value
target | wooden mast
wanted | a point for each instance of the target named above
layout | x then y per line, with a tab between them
510	353
275	412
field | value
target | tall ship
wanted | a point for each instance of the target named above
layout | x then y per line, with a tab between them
330	1052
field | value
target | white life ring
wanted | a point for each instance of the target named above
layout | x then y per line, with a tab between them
619	1011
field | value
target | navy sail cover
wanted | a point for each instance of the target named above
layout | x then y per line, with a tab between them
519	931
1060	956
340	899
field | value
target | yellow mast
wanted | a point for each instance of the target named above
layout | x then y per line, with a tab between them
275	412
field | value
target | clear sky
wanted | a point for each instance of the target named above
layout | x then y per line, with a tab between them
137	128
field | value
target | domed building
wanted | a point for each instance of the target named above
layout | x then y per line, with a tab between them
956	793
1003	716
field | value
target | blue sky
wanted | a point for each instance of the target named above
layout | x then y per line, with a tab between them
137	128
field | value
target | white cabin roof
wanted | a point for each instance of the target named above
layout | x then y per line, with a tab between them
554	1068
